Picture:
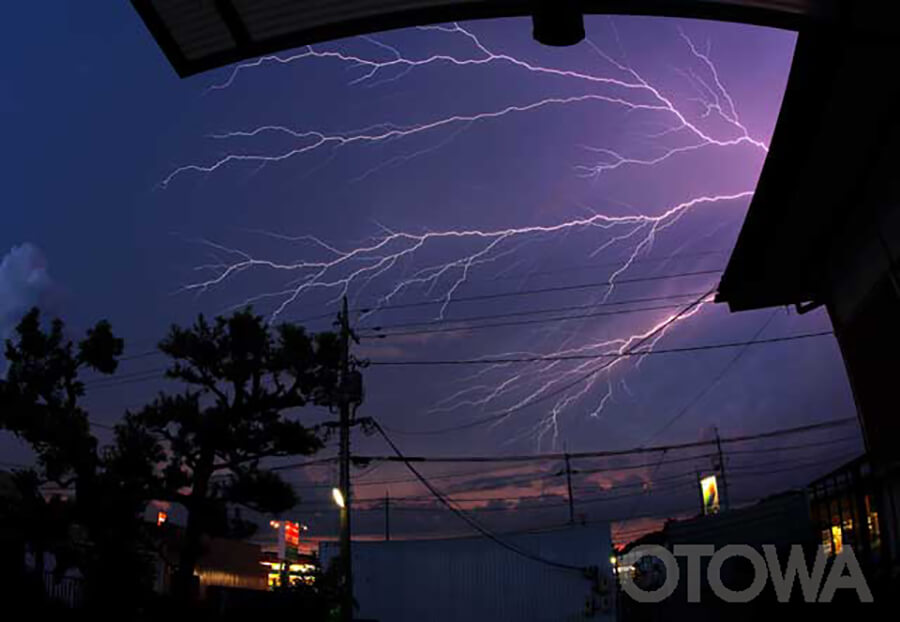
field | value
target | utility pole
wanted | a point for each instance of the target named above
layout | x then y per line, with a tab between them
344	458
722	471
387	516
569	486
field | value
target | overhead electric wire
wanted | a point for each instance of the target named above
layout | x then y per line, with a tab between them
113	381
560	390
377	307
152	374
140	376
301	465
568	318
562	493
508	314
468	519
741	473
608	264
530	275
740	476
524	292
515	478
406	480
587	357
821	425
378	504
715	381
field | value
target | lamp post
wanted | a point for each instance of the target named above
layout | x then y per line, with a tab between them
338	497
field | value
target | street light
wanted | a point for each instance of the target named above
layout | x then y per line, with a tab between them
338	497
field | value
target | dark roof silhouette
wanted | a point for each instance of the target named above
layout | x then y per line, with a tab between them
830	149
198	35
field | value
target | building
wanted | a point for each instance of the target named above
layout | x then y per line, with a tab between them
224	563
475	578
824	231
850	507
782	520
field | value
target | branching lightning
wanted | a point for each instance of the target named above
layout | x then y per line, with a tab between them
438	264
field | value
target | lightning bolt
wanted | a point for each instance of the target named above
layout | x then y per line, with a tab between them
399	263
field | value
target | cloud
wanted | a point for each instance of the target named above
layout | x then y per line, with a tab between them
24	282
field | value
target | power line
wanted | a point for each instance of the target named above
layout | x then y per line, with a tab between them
741	475
152	374
126	379
406	480
560	390
590	357
831	423
533	498
376	306
541	475
524	292
302	465
455	499
563	269
569	318
468	519
741	471
141	355
715	381
609	264
495	316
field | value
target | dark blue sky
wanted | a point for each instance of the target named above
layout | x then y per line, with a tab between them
97	120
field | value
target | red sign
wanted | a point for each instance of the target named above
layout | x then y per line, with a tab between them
292	534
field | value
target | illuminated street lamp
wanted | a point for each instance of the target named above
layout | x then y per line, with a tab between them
338	497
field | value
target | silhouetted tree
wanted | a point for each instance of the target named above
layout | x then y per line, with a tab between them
28	518
40	396
99	530
244	378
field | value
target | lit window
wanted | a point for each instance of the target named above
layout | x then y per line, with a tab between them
872	523
837	537
826	541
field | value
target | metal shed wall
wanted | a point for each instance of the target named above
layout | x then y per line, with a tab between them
472	579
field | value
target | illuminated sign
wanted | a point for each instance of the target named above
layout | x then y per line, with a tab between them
709	490
288	539
291	540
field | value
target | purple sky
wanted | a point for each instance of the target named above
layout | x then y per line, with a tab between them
528	170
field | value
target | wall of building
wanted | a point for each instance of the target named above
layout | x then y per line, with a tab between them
861	283
781	520
862	290
468	579
890	521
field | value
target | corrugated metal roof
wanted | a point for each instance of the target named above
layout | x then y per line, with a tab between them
197	35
